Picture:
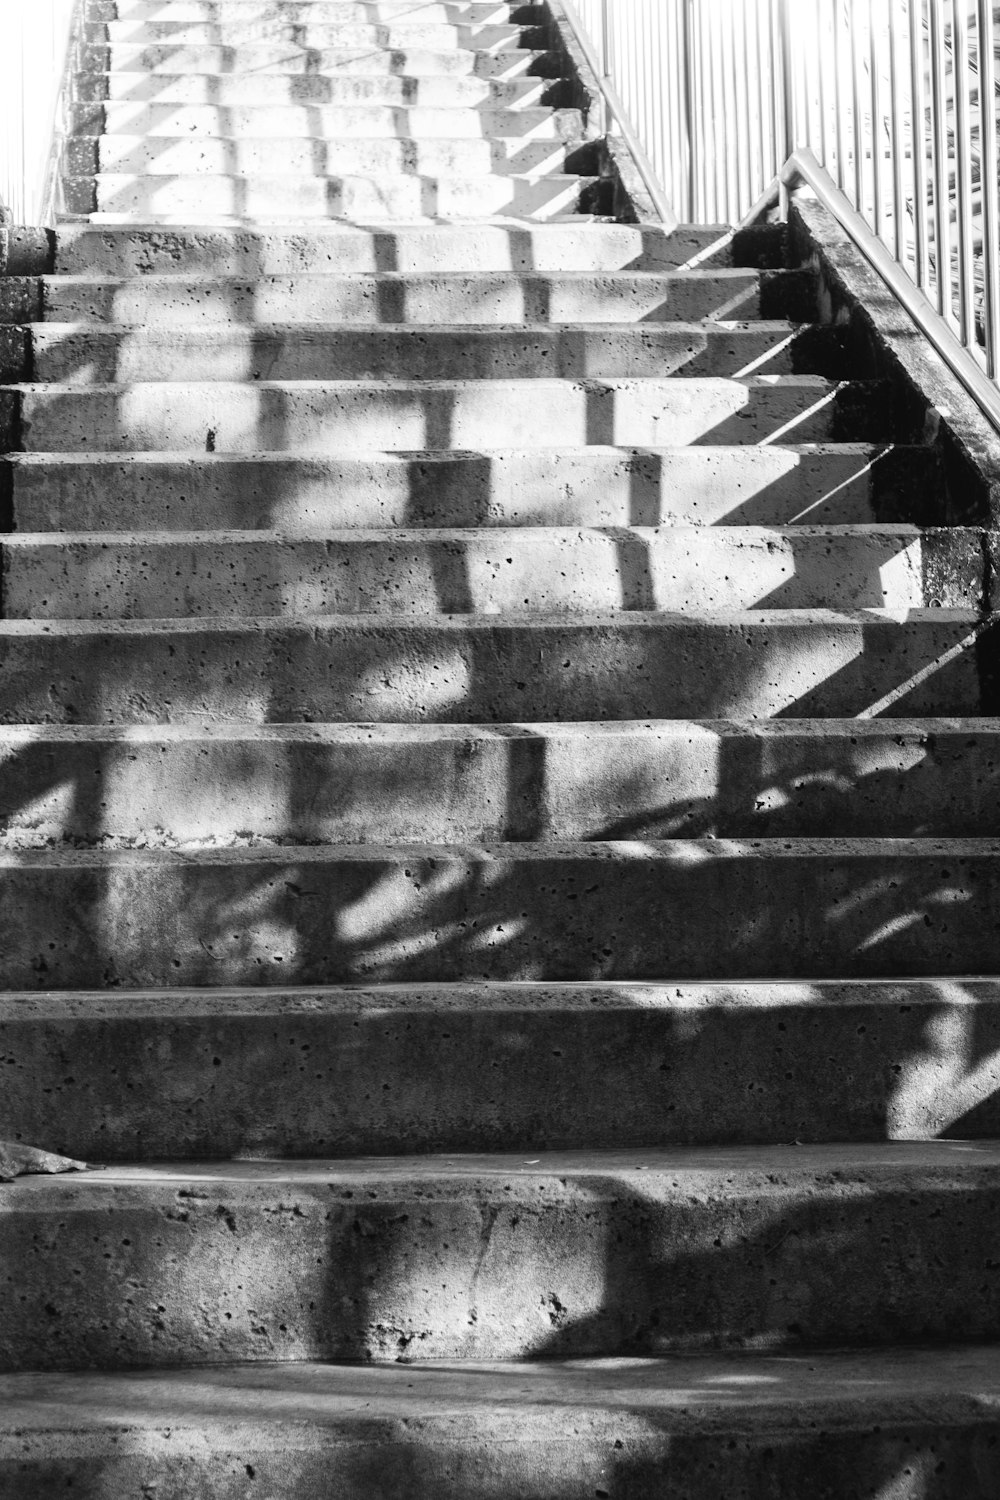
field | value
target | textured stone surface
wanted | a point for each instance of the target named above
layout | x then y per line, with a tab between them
156	785
594	486
917	1425
501	1257
76	576
140	1076
611	910
498	668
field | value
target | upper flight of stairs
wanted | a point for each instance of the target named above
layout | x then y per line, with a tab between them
500	806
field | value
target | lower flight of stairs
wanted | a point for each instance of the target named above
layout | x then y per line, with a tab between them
500	809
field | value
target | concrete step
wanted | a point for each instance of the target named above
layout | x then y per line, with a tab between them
309	417
327	122
261	916
87	354
407	1069
115	575
771	485
304	12
826	1426
307	249
283	57
478	1257
264	89
298	12
156	301
413	30
376	157
498	669
216	784
233	200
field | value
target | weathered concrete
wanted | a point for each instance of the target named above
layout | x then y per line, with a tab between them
185	156
233	198
172	784
333	416
86	354
922	1422
840	484
267	89
415	30
706	909
502	1257
461	298
322	122
279	57
450	669
433	1067
73	575
132	250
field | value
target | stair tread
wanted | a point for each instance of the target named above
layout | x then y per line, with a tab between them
842	1162
679	1393
481	996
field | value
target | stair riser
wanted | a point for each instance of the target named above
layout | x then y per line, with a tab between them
275	89
512	1456
413	31
398	784
595	487
162	156
279	57
476	1069
85	355
512	912
455	299
313	418
326	122
432	250
299	12
366	1263
359	198
520	572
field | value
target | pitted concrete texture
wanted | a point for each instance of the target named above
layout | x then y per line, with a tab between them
86	250
155	576
562	1254
275	57
394	297
213	784
312	416
389	1069
498	668
832	484
85	355
369	121
225	198
908	1422
182	156
825	908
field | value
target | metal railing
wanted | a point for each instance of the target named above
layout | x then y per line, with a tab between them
35	37
886	109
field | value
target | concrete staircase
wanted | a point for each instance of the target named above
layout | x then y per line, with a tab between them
499	809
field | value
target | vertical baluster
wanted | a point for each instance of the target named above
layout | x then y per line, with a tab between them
963	170
857	114
939	176
918	98
990	194
898	115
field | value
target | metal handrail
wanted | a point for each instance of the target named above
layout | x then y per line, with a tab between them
35	62
887	109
